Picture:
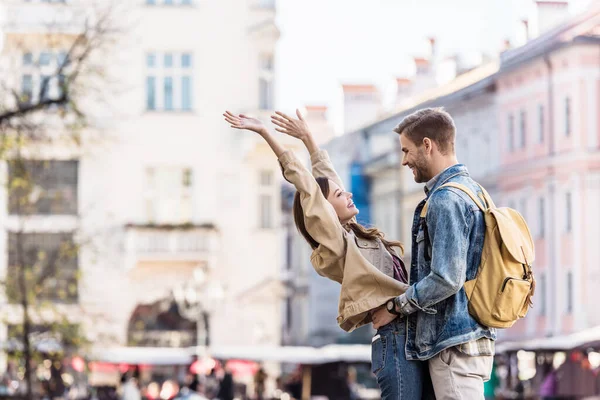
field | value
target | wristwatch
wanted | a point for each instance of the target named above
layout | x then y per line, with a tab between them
391	307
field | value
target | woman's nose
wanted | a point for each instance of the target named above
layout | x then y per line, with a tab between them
350	195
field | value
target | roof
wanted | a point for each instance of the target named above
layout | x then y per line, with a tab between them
359	88
580	25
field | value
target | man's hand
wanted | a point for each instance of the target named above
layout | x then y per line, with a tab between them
244	122
291	126
381	317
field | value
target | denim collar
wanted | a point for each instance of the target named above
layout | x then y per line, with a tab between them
444	177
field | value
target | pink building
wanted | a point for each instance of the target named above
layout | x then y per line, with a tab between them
548	98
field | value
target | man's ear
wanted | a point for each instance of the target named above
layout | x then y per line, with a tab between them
428	144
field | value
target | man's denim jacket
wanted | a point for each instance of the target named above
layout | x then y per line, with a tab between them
436	303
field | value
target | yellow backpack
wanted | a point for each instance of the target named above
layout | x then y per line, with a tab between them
501	292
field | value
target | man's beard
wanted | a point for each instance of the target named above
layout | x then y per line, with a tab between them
421	171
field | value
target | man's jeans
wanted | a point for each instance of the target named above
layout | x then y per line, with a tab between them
457	376
398	378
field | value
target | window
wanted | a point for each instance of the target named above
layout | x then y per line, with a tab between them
265	101
186	60
542	125
541	217
45	87
265	211
266	61
569	292
151	60
523	126
62	82
27	59
50	187
150	93
511	132
567	116
266	82
39	79
542	283
266	178
49	261
45	58
168	194
169	82
186	82
186	93
168	60
265	199
61	58
568	212
168	93
26	88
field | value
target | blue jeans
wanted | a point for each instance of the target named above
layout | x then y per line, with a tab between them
398	378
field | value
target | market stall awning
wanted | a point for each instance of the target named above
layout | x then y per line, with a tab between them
185	356
586	338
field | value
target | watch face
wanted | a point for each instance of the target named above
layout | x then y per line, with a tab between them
390	305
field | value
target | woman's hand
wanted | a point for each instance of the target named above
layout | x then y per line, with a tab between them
297	128
381	317
291	126
244	122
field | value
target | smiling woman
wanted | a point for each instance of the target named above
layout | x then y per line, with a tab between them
368	266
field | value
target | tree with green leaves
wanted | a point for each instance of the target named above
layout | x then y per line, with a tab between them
45	83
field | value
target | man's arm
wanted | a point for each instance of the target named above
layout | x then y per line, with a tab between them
449	223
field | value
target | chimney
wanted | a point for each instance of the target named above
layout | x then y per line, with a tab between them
422	64
432	48
526	29
362	104
551	14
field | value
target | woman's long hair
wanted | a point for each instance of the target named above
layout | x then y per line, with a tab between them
358	230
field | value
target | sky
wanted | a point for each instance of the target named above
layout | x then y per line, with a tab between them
327	42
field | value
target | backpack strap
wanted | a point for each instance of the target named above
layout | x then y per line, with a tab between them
484	207
486	197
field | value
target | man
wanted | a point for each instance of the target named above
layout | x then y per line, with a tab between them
446	251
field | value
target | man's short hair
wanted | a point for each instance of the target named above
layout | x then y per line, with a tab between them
433	123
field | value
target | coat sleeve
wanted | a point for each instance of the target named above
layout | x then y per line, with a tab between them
320	219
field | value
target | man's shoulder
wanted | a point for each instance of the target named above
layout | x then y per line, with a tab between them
449	193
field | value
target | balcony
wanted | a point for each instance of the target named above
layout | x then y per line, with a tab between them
43	17
171	243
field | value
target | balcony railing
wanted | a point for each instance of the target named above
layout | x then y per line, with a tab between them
197	243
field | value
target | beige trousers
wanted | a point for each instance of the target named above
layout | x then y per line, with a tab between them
457	376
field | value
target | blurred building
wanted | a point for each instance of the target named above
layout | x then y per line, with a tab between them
527	129
173	194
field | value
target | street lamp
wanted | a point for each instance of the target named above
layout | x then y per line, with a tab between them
196	299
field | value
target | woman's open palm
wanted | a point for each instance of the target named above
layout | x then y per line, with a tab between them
244	122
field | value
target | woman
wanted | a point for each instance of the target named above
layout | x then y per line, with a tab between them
359	258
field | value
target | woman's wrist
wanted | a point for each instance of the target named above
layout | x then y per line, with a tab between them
310	144
264	132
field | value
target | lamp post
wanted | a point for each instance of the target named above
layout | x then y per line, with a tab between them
196	299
